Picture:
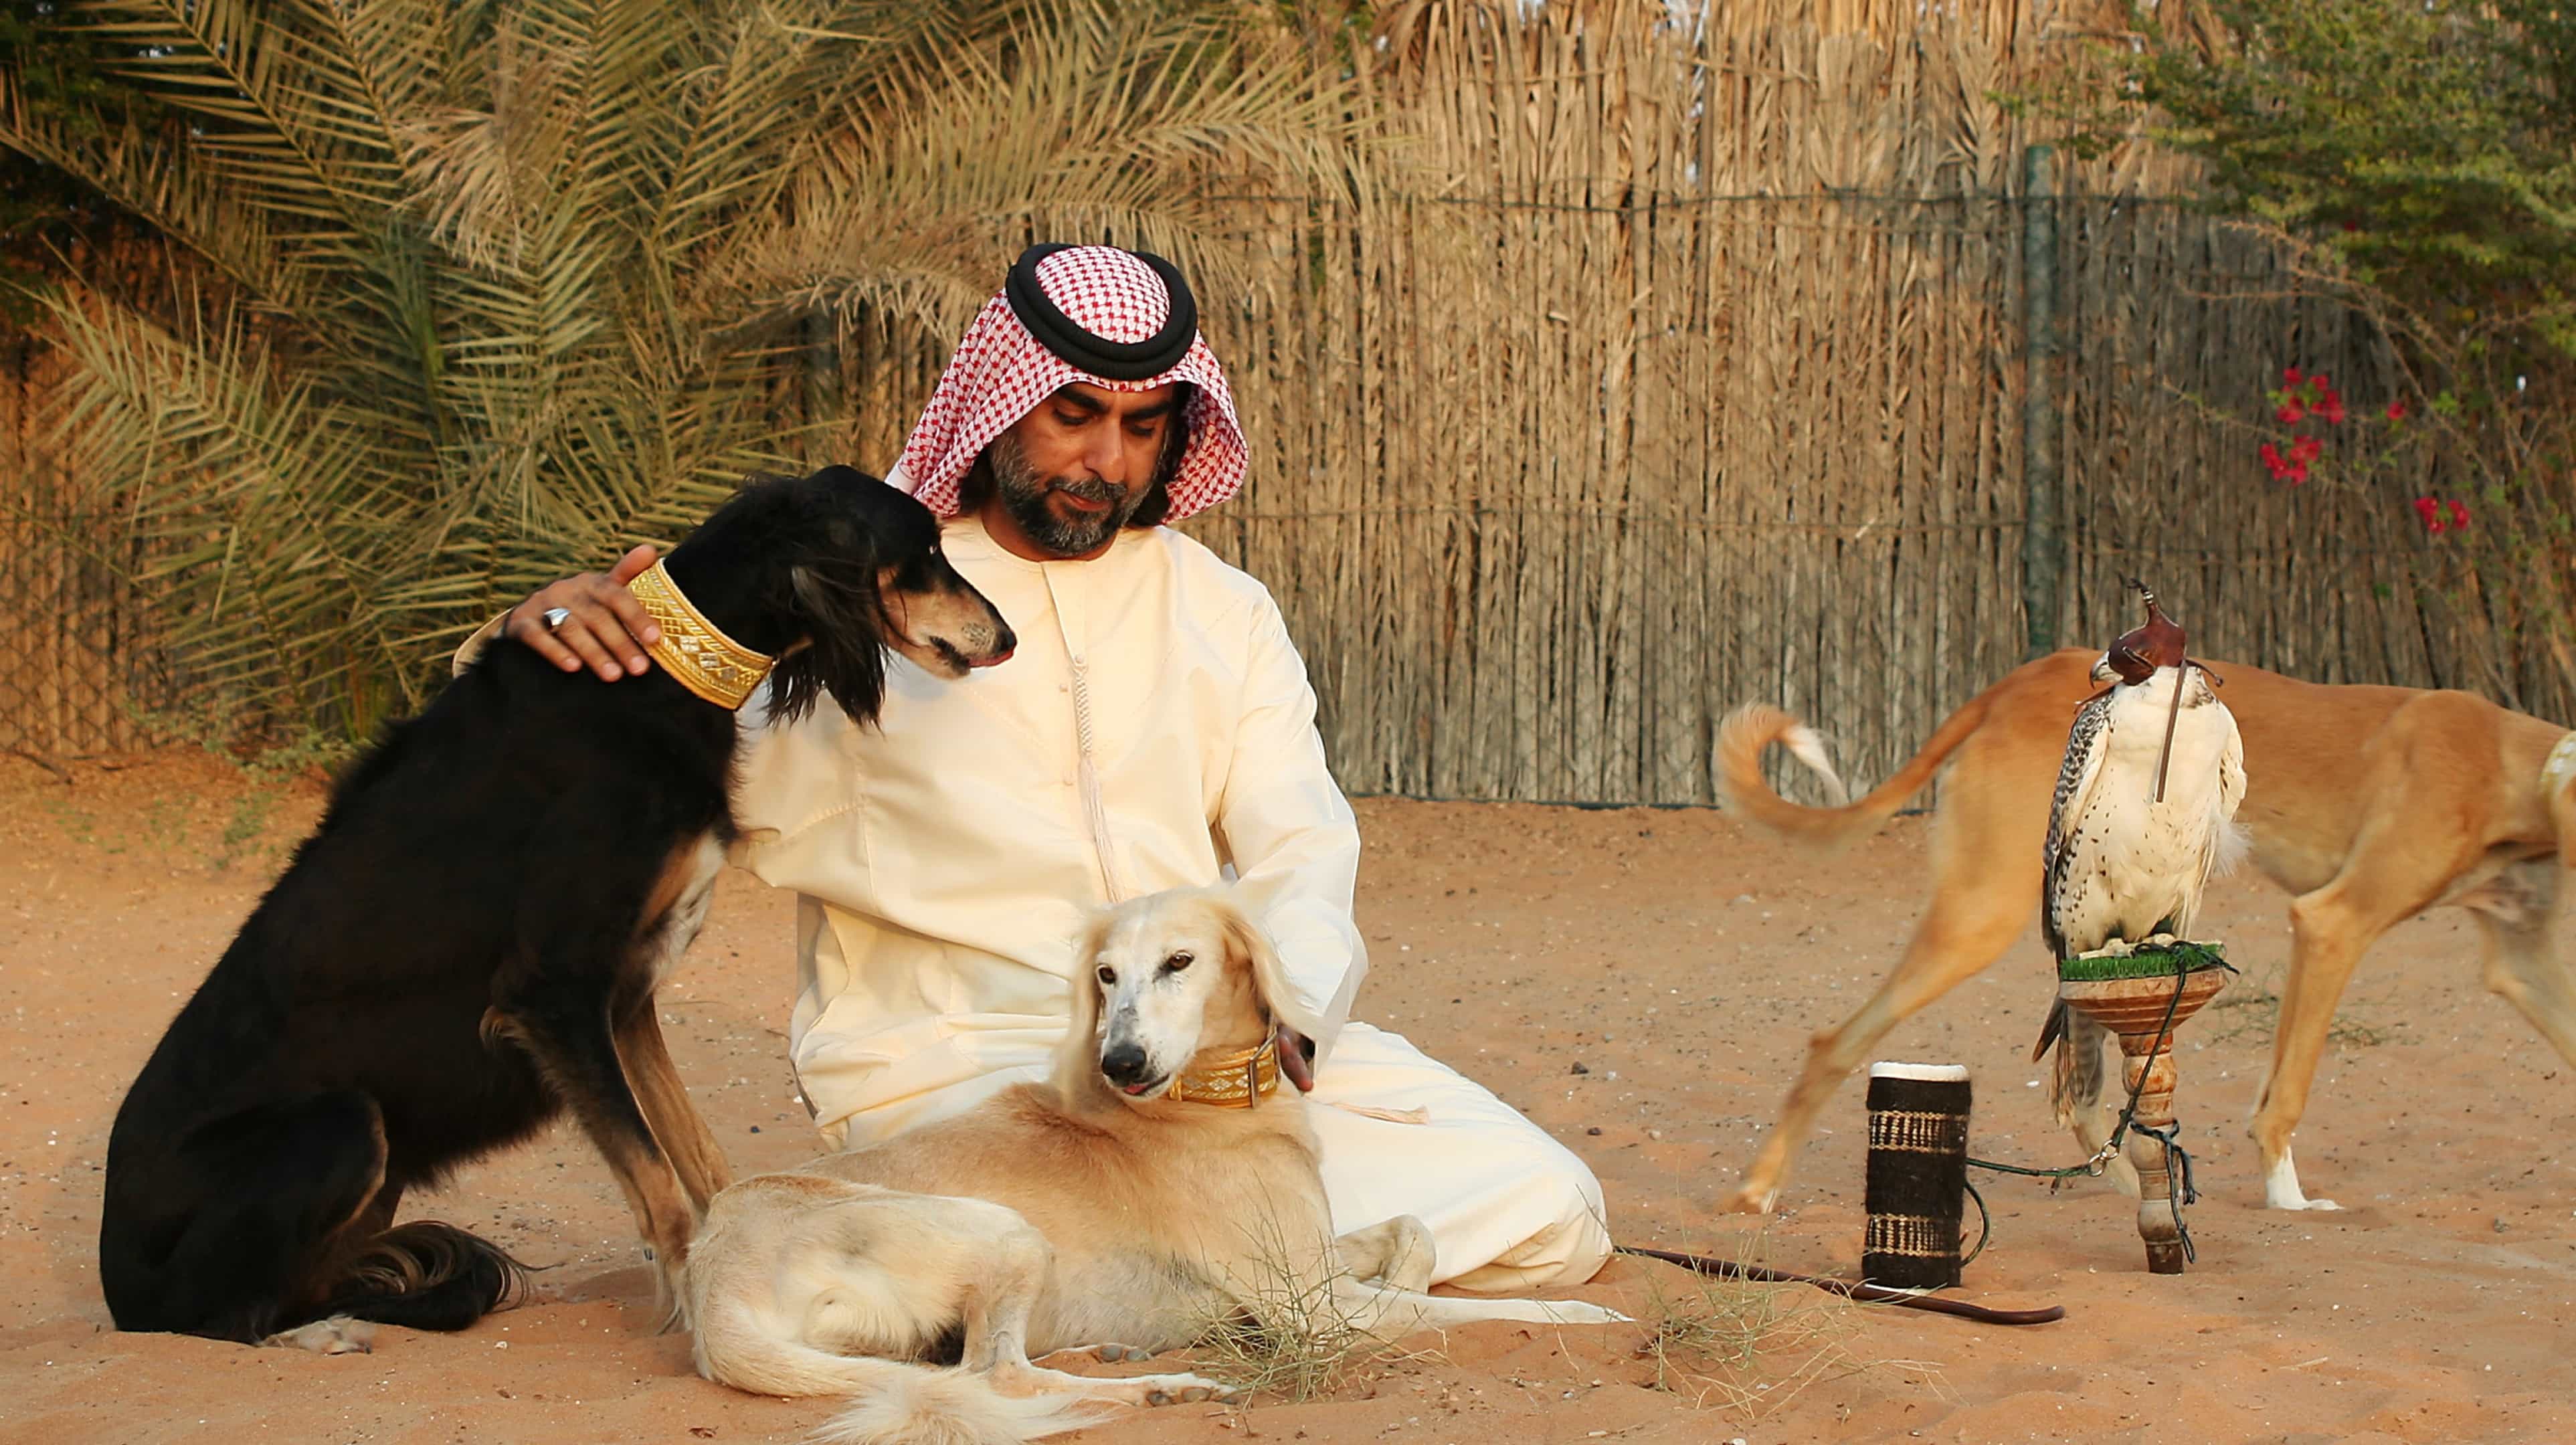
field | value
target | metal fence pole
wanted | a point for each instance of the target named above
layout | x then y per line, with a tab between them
2043	542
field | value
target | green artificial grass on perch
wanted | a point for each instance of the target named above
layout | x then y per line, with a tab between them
2151	960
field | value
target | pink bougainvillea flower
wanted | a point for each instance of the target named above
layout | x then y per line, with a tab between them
2290	413
2272	459
2459	516
2397	411
2426	508
2290	376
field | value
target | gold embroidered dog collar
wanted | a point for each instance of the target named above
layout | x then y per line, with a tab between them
695	651
1236	1080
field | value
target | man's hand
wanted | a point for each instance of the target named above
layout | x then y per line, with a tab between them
1297	1059
607	623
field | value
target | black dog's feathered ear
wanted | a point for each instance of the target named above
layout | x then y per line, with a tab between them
844	650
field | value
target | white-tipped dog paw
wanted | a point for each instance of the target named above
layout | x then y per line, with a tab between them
1107	1354
2281	1188
338	1335
1751	1200
1184	1389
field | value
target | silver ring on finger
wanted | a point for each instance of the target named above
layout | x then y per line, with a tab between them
555	616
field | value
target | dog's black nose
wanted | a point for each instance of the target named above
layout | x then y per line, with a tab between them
1123	1064
1008	641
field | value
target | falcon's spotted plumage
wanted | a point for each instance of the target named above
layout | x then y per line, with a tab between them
2122	867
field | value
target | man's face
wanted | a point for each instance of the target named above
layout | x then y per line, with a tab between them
1073	471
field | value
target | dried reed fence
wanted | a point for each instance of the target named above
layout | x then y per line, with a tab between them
1672	370
1700	378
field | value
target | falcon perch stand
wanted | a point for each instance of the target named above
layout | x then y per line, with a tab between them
2136	998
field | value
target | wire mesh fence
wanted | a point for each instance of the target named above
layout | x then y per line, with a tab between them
81	677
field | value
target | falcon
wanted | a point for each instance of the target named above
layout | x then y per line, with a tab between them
2145	806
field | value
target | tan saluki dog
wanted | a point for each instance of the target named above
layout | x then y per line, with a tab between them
1164	1180
2368	804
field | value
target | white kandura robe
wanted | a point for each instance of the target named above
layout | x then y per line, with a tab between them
945	860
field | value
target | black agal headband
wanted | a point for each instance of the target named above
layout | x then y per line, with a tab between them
1114	360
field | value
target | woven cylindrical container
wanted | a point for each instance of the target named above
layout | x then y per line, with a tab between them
1918	1174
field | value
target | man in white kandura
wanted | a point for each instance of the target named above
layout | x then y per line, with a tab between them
1155	729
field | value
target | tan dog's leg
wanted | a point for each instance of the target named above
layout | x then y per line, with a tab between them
1398	1251
1979	905
997	1332
677	1126
1389	1313
2515	913
2398	867
1108	1354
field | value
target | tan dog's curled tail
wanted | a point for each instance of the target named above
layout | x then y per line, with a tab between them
896	1403
1745	792
920	1406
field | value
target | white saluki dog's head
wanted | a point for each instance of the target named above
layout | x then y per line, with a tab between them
1164	979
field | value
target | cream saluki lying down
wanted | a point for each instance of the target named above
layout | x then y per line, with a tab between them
1161	1181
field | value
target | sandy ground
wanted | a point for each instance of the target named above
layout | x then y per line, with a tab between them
1678	962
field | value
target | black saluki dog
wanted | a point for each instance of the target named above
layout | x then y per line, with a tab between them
471	940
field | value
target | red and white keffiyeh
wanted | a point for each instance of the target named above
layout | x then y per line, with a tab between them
1001	372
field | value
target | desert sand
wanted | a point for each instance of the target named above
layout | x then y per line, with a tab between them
1679	962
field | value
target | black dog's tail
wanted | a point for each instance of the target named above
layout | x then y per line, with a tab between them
426	1276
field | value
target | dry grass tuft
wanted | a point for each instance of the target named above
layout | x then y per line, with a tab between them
1292	1342
1750	1348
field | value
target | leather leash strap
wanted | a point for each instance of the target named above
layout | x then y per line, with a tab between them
1902	1299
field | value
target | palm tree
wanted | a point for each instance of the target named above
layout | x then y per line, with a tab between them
482	290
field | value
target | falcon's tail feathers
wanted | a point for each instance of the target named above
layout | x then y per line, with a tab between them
2235	843
2075	1080
2050	1032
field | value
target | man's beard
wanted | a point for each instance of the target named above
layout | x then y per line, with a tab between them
1024	495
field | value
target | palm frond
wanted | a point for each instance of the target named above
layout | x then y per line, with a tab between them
1094	124
276	120
160	183
508	286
